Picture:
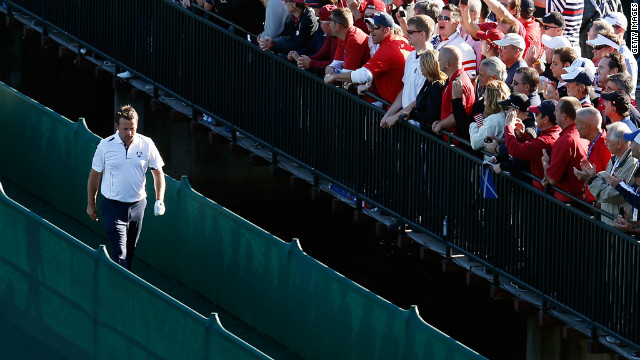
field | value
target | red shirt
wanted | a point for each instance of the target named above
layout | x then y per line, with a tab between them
534	35
468	96
566	154
599	156
324	56
387	66
531	150
354	50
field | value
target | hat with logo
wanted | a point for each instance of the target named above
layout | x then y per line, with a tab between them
584	63
325	12
380	19
602	40
546	108
578	74
555	42
519	101
490	36
512	39
617	19
553	18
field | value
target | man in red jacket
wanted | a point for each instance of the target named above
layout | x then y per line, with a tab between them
566	153
386	67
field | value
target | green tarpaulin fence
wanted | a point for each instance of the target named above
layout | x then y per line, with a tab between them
271	285
74	302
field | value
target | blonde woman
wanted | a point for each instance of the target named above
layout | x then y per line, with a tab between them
429	99
494	115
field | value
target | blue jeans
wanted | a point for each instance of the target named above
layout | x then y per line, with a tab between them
123	223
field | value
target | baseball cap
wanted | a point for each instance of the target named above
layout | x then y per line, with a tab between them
555	42
511	39
377	5
585	63
578	74
634	136
601	40
546	108
490	36
519	101
616	97
554	18
380	19
617	19
325	12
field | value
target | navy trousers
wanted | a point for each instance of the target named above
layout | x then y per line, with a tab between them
123	223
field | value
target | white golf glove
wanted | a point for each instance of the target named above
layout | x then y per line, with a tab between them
158	208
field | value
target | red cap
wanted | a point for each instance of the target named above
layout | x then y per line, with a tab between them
490	36
325	12
377	5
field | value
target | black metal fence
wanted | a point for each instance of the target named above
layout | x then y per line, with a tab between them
575	262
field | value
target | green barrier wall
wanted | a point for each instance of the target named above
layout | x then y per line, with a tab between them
265	282
76	303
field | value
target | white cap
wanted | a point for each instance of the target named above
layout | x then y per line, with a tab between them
555	42
584	63
617	18
511	39
601	40
578	74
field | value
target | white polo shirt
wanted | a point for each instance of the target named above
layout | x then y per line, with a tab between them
412	79
124	169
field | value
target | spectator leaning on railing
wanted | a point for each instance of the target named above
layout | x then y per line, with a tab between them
450	61
299	28
353	47
386	67
420	29
320	60
429	99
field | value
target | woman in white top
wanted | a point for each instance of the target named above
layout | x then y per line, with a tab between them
494	115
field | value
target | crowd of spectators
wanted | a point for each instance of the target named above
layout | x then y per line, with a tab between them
553	96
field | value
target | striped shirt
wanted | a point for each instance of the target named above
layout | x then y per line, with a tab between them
468	54
572	11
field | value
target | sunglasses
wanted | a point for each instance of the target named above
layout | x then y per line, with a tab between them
547	27
443	18
600	47
514	83
376	27
411	32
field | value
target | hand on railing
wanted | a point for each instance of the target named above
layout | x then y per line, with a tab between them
293	55
264	43
303	62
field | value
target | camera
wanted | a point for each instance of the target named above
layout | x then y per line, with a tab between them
402	12
464	2
488	140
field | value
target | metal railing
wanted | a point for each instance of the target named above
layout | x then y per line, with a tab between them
572	261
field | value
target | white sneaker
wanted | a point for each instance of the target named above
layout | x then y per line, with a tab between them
125	75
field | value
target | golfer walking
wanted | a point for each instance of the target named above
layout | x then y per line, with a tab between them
122	160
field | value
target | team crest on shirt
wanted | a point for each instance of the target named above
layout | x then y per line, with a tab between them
139	153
